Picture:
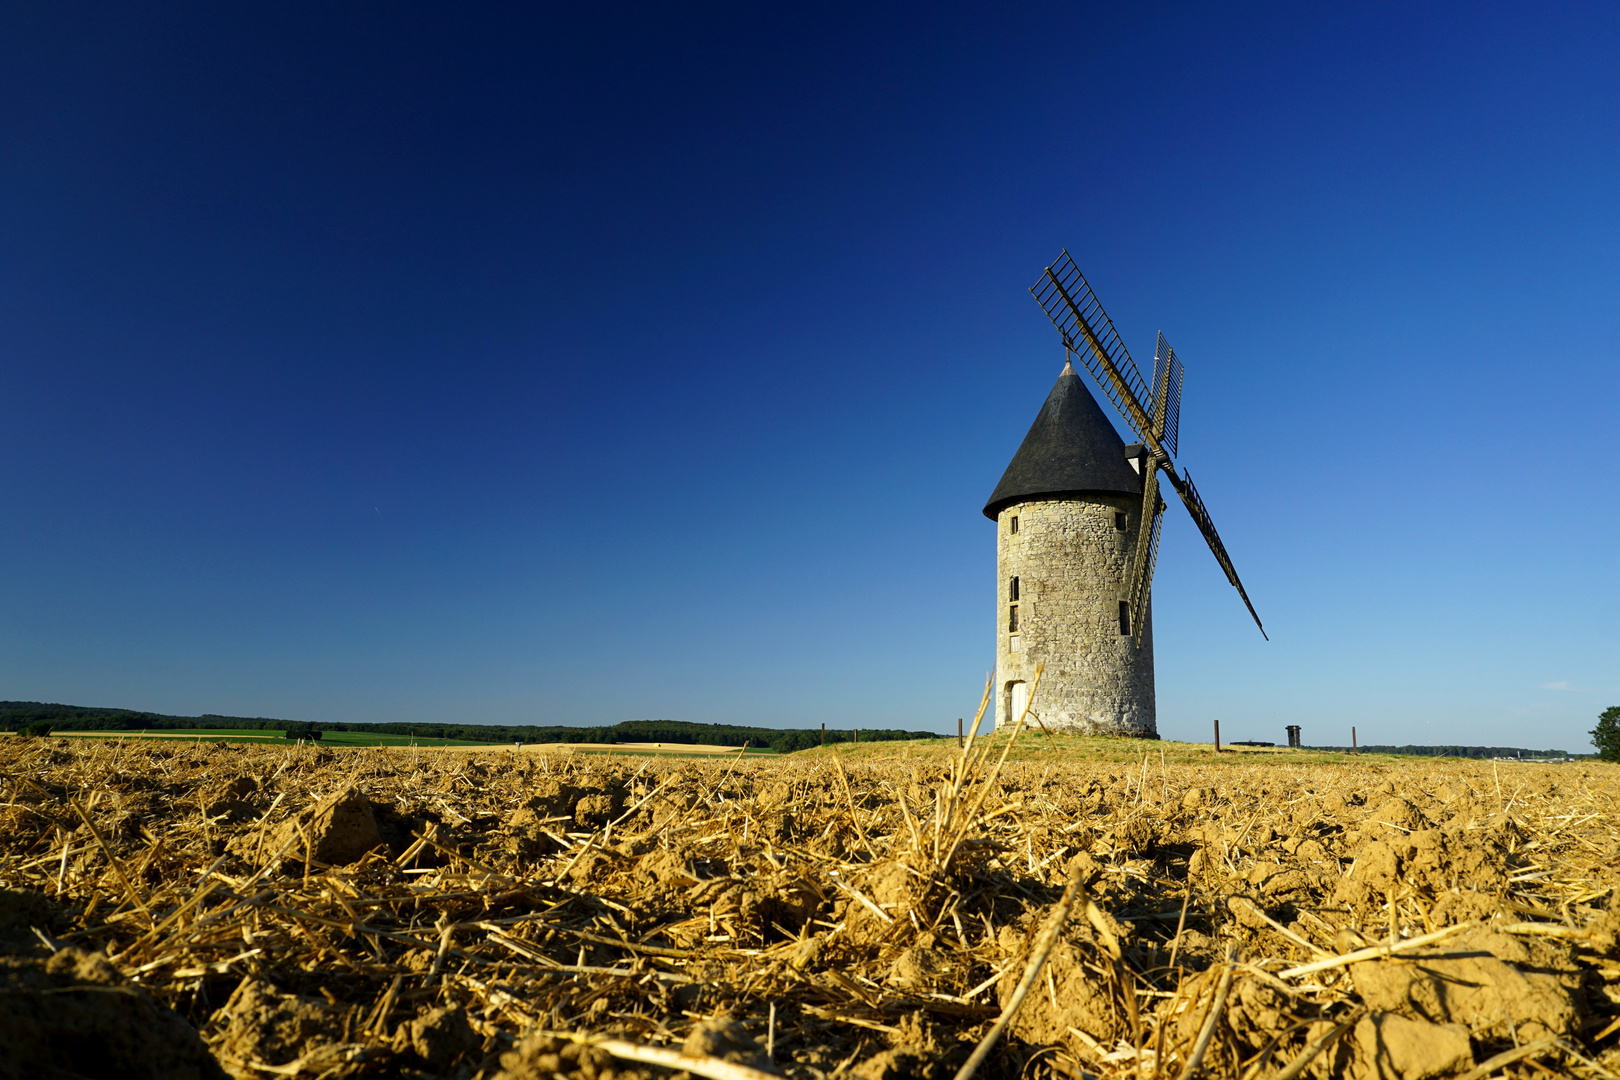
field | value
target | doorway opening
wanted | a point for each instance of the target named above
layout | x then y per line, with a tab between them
1017	700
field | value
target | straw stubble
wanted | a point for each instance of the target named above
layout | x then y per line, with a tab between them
533	915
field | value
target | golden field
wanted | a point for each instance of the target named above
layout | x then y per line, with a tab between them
1080	908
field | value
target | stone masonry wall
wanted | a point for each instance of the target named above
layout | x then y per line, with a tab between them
1070	557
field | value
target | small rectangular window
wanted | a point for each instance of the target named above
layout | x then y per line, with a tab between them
1013	591
1012	619
1119	522
1124	617
1012	523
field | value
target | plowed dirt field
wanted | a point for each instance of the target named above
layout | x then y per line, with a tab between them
194	911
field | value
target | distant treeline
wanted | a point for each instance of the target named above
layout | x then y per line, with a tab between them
1453	751
15	715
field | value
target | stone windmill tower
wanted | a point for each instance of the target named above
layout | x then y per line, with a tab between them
1077	518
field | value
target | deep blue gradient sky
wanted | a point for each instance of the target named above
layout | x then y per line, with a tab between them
446	363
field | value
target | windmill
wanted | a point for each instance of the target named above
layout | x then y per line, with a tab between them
1153	413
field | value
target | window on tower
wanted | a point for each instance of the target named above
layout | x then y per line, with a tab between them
1012	591
1119	522
1124	617
1012	524
1012	619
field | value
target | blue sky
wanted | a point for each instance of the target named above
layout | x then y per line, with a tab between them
530	365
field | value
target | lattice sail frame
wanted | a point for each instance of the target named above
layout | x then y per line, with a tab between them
1167	373
1087	330
1206	525
1155	416
1147	557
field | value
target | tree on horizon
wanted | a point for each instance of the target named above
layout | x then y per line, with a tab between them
1606	736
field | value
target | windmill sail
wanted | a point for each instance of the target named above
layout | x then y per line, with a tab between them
1166	394
1200	515
1153	413
1089	332
1147	557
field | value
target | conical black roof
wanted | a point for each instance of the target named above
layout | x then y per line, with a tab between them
1071	450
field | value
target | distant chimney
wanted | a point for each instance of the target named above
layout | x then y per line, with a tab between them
1293	736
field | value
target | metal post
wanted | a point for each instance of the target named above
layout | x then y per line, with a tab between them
1353	749
857	734
824	734
958	732
1217	736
